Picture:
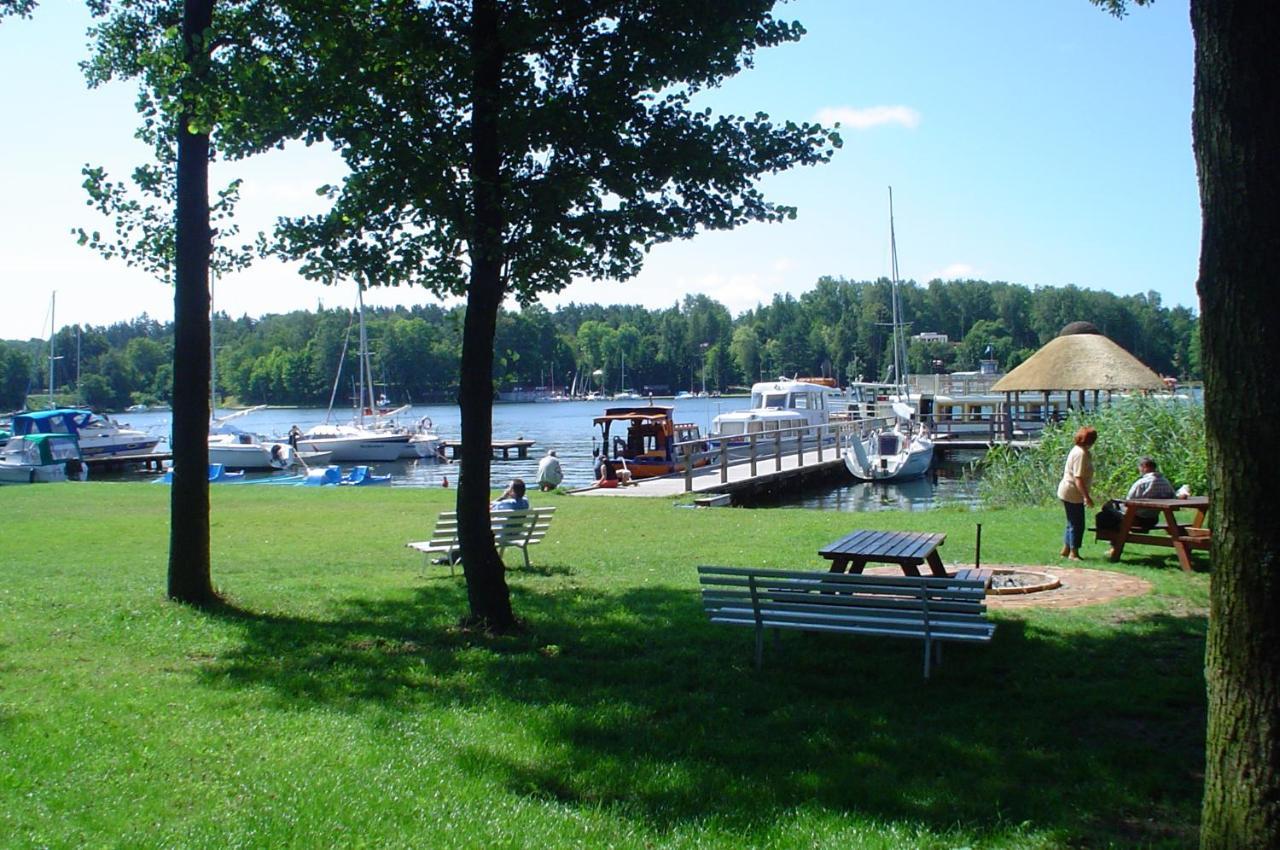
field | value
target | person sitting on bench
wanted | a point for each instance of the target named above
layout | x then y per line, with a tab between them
513	498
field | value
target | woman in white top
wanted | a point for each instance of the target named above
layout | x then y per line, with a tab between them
1073	490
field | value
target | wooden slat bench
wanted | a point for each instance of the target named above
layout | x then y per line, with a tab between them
926	608
511	529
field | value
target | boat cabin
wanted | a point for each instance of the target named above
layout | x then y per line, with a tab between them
652	443
32	458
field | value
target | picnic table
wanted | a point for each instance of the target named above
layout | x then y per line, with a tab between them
1166	532
907	549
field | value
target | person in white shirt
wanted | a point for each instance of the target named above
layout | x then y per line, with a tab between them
550	474
1073	490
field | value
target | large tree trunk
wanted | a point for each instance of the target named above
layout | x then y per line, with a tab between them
189	579
487	590
1236	144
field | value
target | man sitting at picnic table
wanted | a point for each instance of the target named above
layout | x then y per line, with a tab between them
1150	485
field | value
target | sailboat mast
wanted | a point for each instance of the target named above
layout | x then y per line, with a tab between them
363	362
53	300
213	351
897	317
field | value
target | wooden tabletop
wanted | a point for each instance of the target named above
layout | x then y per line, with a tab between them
1200	503
889	546
907	549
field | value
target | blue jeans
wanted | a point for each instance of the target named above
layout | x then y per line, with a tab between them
1074	535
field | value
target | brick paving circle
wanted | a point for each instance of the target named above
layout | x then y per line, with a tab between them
1079	586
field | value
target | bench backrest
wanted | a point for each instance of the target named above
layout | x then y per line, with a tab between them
510	528
806	599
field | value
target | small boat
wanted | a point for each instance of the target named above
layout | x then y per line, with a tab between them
99	435
897	453
218	474
235	448
331	476
654	441
903	450
42	458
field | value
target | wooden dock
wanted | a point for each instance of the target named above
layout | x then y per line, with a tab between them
736	477
496	447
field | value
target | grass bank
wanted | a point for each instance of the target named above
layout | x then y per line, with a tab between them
333	702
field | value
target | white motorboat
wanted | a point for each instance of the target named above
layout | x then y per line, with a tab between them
99	435
796	408
902	450
42	458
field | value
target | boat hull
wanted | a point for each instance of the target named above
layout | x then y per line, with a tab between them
912	462
369	449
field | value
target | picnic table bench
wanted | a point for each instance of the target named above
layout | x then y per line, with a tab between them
907	549
1166	532
519	529
926	608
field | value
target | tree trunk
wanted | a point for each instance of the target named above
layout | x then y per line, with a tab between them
487	591
1236	140
189	579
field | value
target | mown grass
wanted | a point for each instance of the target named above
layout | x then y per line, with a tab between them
333	702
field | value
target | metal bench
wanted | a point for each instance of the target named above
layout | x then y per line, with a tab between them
511	529
926	608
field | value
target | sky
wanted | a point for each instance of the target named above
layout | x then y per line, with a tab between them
1042	143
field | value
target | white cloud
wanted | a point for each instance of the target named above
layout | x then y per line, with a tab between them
869	116
955	271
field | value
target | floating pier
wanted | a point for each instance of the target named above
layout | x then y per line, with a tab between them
496	447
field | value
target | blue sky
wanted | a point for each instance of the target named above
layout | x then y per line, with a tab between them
1043	143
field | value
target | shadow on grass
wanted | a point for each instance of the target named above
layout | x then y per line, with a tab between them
645	708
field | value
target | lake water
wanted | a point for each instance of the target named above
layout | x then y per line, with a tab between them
566	427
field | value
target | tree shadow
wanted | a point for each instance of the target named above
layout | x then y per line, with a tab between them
643	707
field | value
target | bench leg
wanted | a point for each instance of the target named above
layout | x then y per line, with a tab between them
524	550
759	647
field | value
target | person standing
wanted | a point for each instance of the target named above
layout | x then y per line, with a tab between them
1073	490
550	473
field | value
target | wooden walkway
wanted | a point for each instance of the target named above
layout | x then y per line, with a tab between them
496	447
707	479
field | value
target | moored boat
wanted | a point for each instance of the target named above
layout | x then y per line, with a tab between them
42	458
98	435
794	407
654	441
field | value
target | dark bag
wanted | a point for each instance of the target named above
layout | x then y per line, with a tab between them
1110	517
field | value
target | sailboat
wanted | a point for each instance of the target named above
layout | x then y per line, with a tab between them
903	450
624	392
357	442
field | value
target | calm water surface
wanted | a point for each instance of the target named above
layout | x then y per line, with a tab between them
566	427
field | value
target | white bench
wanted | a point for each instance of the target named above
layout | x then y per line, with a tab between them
932	609
520	529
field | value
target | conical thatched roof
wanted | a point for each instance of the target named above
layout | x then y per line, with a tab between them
1080	358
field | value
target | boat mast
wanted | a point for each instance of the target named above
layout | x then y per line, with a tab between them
363	362
213	350
53	300
897	317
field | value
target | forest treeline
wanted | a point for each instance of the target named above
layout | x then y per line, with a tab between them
839	328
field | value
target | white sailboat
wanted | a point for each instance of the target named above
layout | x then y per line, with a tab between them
903	450
357	442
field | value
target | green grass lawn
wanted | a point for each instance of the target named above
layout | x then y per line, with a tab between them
333	701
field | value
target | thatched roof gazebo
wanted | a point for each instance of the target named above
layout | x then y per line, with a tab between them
1078	360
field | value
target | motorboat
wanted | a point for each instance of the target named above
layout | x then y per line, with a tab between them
654	443
99	435
42	458
235	448
795	408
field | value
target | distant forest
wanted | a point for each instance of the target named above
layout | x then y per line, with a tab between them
839	329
